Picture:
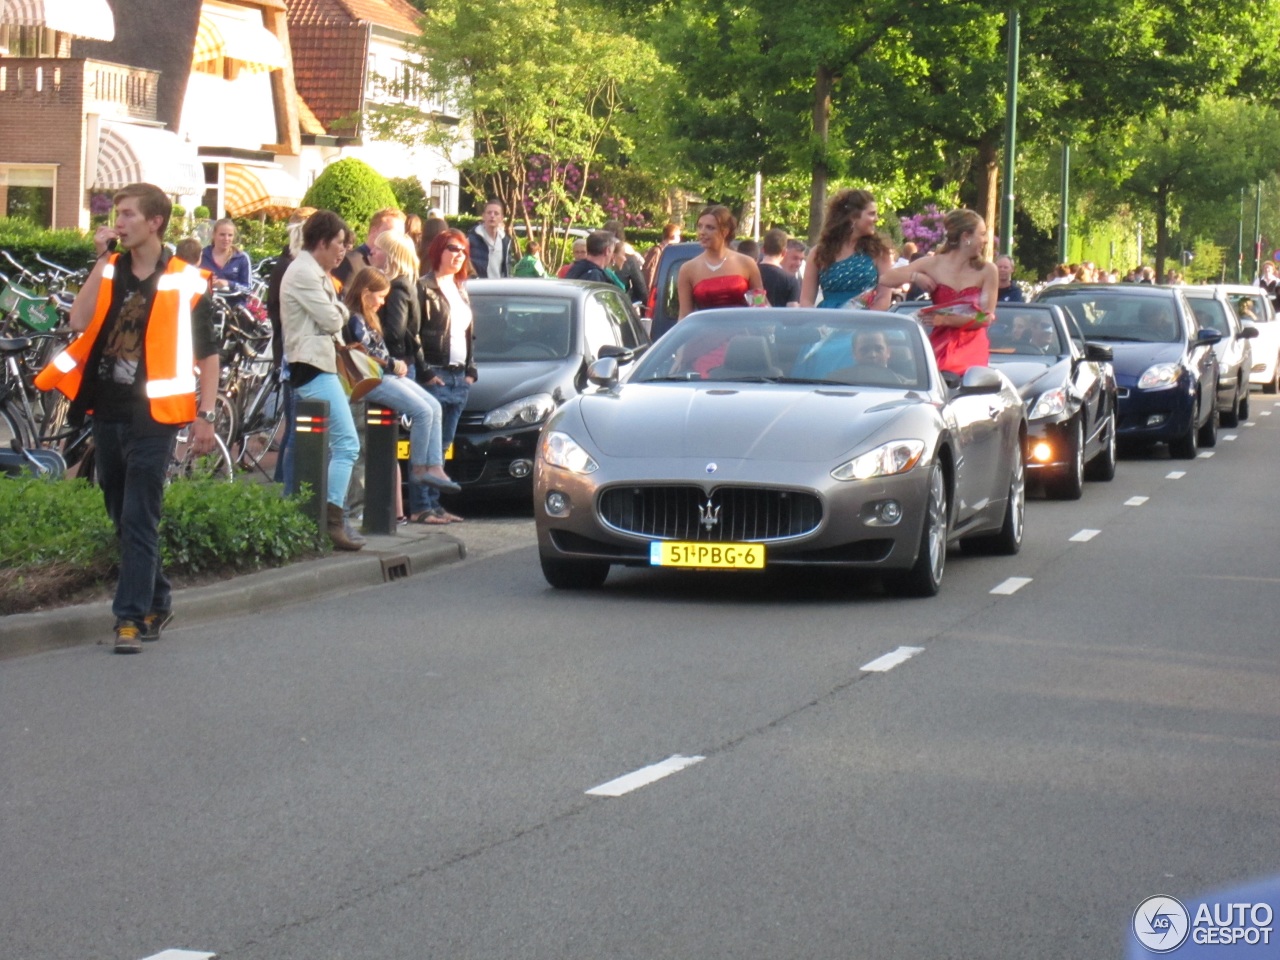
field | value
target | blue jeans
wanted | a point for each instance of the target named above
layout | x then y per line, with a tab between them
452	395
405	396
131	470
344	444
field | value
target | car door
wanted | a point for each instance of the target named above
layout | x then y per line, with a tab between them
976	421
1202	360
1088	380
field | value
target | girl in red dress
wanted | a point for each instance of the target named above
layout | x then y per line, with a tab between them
717	277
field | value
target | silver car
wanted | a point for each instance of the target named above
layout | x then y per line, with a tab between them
1215	310
749	439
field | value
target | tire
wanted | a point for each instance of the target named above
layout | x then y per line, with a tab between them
574	574
1008	539
215	465
1242	411
1103	466
1231	417
1184	447
1070	486
925	576
11	428
1272	385
1208	435
225	424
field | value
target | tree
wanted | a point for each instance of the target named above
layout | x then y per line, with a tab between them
541	85
352	189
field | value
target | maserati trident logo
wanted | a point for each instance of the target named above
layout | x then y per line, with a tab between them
712	468
709	514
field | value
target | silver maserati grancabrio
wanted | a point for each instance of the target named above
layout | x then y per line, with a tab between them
749	439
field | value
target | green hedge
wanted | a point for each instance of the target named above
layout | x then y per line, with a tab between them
23	239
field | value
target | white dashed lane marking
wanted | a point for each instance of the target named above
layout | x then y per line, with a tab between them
891	660
1248	423
173	954
1205	455
1136	501
1264	413
1011	586
1175	474
644	776
1084	536
1228	436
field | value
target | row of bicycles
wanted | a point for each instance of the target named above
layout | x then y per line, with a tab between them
36	434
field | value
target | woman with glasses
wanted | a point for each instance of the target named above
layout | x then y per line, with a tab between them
448	368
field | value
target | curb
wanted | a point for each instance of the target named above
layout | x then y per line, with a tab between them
386	558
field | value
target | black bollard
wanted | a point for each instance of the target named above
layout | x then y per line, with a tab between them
381	472
311	457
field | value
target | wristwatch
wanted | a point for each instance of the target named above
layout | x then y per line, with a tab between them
208	416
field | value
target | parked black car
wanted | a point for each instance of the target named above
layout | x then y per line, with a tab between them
664	298
1165	368
533	342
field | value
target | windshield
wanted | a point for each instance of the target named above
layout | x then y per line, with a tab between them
784	346
1248	306
1104	316
511	329
1028	333
1211	314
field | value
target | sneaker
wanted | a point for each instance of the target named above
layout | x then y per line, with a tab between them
153	623
128	638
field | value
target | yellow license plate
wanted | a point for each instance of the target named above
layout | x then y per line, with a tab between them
402	450
707	556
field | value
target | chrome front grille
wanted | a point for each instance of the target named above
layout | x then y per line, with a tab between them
729	514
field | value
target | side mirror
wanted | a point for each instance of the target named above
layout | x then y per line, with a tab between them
604	372
1247	333
1206	337
978	380
621	354
1098	353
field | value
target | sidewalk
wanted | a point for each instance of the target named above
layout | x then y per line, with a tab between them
413	549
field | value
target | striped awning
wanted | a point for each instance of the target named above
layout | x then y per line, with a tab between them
131	153
233	37
253	190
91	19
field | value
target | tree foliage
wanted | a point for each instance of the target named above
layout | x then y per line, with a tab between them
353	190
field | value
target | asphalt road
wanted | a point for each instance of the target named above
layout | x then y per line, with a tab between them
402	772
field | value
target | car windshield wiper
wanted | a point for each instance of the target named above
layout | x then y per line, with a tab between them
1112	338
691	377
814	380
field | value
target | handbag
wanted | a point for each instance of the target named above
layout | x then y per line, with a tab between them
358	371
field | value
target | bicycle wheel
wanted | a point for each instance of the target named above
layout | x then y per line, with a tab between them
12	427
263	423
186	465
227	422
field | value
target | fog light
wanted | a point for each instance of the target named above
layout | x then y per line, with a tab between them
1155	419
521	468
890	511
557	504
1042	452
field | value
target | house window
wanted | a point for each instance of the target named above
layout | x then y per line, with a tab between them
442	195
27	192
28	41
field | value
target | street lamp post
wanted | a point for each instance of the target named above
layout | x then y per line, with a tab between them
1010	136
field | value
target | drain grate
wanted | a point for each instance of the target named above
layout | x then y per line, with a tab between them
396	568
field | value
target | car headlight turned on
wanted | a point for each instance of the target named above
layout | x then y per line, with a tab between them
1162	376
886	460
523	412
1049	404
561	450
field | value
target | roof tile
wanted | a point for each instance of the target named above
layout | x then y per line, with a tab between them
395	14
328	68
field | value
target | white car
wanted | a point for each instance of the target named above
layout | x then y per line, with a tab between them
1253	306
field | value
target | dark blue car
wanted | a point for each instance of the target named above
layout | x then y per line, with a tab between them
1165	368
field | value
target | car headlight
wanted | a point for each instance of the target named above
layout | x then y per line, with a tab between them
1049	404
1162	376
894	457
561	450
523	412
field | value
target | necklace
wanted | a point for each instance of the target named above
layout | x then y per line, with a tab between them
723	261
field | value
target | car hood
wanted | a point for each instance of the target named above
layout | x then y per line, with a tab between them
1033	375
733	421
500	383
1130	360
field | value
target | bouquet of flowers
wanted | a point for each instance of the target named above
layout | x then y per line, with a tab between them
973	315
865	299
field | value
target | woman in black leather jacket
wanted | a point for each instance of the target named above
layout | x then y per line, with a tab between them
448	368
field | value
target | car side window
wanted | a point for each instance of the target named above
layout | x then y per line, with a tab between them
598	329
1073	331
620	316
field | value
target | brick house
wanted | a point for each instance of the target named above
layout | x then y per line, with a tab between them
349	54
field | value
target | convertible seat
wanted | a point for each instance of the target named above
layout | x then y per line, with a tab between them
746	357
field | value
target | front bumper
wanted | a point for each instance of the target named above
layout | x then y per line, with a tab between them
1155	415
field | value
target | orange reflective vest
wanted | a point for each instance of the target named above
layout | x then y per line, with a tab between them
169	372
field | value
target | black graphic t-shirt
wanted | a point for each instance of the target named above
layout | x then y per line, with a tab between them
115	383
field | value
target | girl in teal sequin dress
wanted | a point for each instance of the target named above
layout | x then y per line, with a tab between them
849	257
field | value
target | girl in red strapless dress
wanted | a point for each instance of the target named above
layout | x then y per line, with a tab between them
717	277
958	274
